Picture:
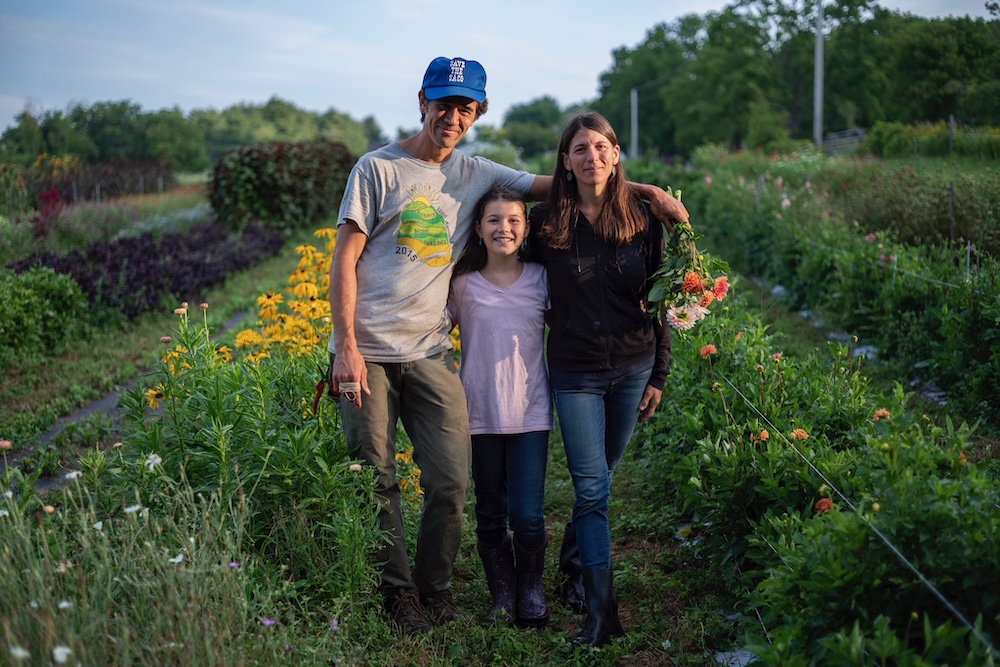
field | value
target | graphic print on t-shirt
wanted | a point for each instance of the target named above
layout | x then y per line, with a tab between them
423	233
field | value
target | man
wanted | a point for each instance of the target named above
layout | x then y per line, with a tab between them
407	209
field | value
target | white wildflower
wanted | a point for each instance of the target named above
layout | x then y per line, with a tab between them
19	653
65	604
99	526
73	475
179	558
60	654
132	509
152	461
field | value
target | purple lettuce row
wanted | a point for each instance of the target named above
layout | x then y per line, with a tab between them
138	274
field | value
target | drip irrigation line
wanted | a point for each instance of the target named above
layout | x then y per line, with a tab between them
892	547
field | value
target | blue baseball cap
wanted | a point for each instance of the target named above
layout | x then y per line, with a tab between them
455	77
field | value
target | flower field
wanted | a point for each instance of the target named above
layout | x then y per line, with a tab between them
776	503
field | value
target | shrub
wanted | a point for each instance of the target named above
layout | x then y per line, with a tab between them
284	185
42	311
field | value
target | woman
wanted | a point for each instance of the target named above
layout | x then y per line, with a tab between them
608	357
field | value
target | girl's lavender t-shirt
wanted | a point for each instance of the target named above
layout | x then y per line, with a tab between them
503	342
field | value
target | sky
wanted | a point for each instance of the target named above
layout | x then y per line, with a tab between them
360	57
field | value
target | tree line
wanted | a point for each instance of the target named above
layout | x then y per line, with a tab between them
121	130
742	76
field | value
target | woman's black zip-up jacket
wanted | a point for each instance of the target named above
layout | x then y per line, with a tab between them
599	319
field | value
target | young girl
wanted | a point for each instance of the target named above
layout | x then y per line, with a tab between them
499	304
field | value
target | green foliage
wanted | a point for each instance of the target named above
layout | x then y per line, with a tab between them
105	580
767	129
42	311
750	444
243	429
829	232
175	140
919	499
13	193
501	151
933	140
122	132
285	185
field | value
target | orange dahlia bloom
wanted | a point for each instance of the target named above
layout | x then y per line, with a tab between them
706	299
693	284
824	505
800	434
707	351
721	287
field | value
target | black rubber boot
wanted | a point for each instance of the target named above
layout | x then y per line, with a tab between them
532	603
571	589
498	563
602	622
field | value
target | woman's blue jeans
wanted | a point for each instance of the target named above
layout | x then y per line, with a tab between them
597	424
509	474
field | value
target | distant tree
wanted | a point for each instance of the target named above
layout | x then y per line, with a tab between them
114	127
340	127
531	139
531	127
653	68
63	137
23	142
858	84
222	133
373	132
176	140
712	102
936	62
542	111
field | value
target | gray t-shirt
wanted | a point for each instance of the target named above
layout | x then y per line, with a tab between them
417	216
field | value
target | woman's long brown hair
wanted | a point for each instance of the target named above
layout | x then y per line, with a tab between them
621	216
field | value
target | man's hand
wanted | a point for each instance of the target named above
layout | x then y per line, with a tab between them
650	399
349	366
667	208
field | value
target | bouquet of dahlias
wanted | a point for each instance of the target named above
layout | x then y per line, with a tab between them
688	281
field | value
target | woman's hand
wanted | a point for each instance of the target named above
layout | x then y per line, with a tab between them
650	399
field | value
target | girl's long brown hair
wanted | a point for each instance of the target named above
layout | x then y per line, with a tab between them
621	215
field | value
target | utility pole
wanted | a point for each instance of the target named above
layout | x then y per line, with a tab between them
633	146
818	84
633	149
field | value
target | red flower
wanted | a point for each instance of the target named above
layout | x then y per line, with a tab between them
824	505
